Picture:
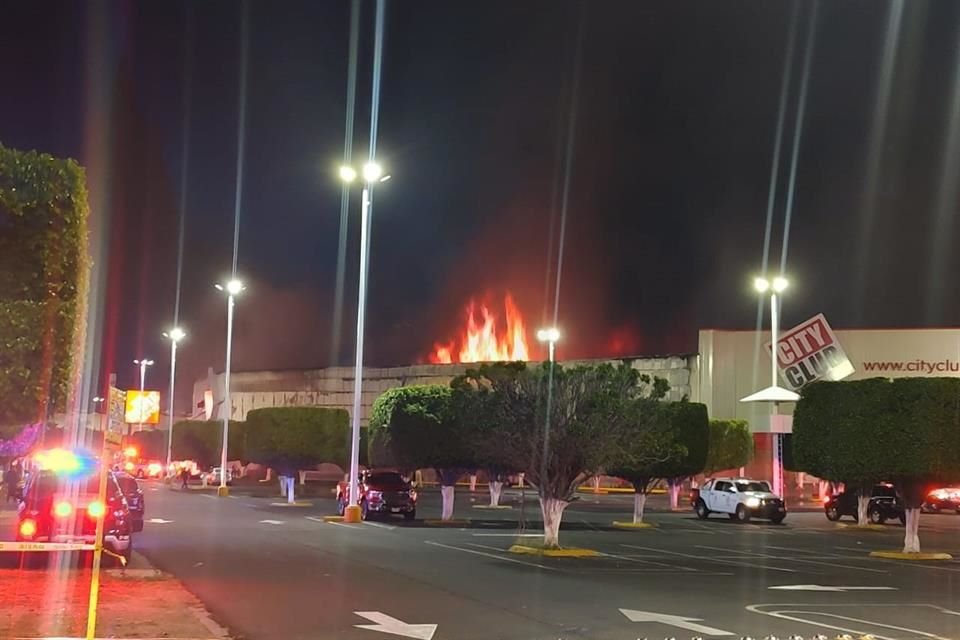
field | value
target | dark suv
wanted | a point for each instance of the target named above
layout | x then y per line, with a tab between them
884	505
381	492
65	508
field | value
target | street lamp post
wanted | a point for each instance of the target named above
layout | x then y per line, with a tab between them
143	364
371	173
233	288
175	335
774	287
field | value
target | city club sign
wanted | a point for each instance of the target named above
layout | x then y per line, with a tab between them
810	351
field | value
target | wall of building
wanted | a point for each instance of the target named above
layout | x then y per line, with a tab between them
734	364
333	387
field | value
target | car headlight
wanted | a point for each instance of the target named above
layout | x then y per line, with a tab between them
753	503
375	495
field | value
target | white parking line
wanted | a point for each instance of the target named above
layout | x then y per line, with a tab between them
380	525
650	562
782	614
804	561
316	519
748	565
508	535
490	555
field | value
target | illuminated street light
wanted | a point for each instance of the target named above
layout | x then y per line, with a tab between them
142	364
175	335
550	335
774	287
233	288
372	173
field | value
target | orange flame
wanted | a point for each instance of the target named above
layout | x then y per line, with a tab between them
482	341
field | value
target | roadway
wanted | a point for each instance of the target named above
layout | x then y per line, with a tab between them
270	572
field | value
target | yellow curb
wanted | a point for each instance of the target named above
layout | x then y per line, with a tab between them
446	523
900	555
333	518
554	553
291	504
488	506
634	525
863	527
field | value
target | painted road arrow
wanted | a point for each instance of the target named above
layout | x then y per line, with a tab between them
159	521
386	624
821	587
682	622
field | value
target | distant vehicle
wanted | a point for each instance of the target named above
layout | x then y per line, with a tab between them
213	478
134	496
381	492
60	503
942	500
142	469
739	498
884	505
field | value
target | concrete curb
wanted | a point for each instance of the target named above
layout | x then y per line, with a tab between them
900	555
634	525
491	507
333	518
291	504
446	523
862	527
554	553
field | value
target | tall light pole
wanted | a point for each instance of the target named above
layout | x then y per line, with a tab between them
233	288
175	335
550	335
143	364
774	394
371	173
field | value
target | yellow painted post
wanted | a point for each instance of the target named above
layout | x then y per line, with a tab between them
98	546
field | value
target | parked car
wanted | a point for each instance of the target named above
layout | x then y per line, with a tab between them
61	504
382	493
143	469
134	496
213	478
884	505
739	498
942	500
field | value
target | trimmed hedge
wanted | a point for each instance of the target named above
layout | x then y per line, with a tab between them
292	438
200	441
730	445
44	275
905	430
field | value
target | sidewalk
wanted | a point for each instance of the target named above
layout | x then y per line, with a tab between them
138	602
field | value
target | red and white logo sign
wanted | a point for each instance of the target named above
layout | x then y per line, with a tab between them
810	351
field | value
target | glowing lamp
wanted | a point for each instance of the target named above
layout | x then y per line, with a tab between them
129	466
63	509
762	285
372	172
28	528
780	284
550	334
348	174
96	509
130	452
59	461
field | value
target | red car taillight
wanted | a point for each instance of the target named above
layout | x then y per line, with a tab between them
96	509
28	528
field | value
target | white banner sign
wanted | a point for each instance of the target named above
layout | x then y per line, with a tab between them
810	351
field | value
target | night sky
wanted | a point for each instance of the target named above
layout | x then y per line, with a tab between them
676	108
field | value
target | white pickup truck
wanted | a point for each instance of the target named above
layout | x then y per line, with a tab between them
740	498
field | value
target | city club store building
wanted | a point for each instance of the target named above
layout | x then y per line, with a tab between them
735	364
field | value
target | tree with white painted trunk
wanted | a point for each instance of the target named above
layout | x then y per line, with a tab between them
560	426
474	406
668	441
288	439
904	430
416	427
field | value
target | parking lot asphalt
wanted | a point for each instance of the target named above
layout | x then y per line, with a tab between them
273	572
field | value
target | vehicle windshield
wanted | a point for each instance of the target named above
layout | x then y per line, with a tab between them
127	483
387	480
752	486
48	484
